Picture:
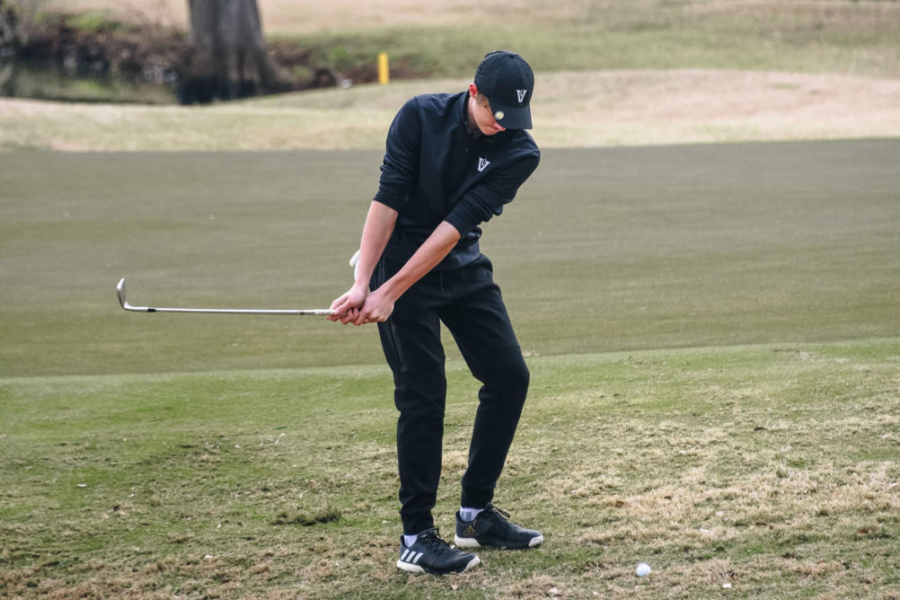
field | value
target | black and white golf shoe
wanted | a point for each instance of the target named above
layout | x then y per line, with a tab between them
492	528
431	554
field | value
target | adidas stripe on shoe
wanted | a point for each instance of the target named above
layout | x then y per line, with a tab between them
431	554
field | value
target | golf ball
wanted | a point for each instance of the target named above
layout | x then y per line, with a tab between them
643	569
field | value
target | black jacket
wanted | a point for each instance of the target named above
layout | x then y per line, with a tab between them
435	170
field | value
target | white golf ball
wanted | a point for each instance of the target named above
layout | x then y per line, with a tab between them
643	569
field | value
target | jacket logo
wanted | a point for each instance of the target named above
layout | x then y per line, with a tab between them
482	164
521	94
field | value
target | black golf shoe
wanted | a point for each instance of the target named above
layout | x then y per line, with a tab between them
492	528
431	554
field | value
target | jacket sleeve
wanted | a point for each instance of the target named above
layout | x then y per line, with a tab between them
401	159
487	198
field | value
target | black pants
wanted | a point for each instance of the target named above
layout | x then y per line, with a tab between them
469	303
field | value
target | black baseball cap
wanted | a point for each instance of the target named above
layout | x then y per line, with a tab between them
508	82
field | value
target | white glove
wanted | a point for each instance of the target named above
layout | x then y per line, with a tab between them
354	262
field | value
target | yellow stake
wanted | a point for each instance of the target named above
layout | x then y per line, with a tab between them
384	74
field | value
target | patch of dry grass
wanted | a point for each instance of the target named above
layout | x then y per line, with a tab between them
571	110
772	472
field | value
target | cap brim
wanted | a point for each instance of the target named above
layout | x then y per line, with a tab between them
516	117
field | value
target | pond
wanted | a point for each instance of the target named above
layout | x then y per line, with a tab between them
81	83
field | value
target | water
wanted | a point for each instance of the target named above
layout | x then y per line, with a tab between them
81	83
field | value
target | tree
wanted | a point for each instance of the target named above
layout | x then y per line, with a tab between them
230	59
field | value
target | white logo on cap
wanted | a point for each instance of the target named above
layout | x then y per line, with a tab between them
482	164
521	94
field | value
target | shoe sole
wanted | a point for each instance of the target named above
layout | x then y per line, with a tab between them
462	542
411	568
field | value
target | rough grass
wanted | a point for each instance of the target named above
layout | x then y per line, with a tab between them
571	109
769	468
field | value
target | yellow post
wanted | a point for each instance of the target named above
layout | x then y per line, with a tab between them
384	74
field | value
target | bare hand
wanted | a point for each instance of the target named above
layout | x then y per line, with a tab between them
377	308
346	307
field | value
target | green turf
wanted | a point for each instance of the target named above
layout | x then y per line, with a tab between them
712	331
603	250
772	468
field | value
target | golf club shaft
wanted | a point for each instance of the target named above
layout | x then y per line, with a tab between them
234	311
120	291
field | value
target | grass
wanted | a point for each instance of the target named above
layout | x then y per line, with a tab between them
603	250
689	43
712	330
609	74
772	468
712	334
571	109
447	38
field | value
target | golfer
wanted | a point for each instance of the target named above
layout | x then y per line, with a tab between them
452	162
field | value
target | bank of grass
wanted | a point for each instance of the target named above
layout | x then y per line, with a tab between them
769	468
766	42
447	38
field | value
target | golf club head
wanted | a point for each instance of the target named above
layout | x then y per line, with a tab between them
120	292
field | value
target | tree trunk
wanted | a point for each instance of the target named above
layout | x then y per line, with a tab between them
230	58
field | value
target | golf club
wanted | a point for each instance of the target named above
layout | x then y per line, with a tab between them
120	291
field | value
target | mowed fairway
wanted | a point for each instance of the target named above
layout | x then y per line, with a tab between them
603	250
713	333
